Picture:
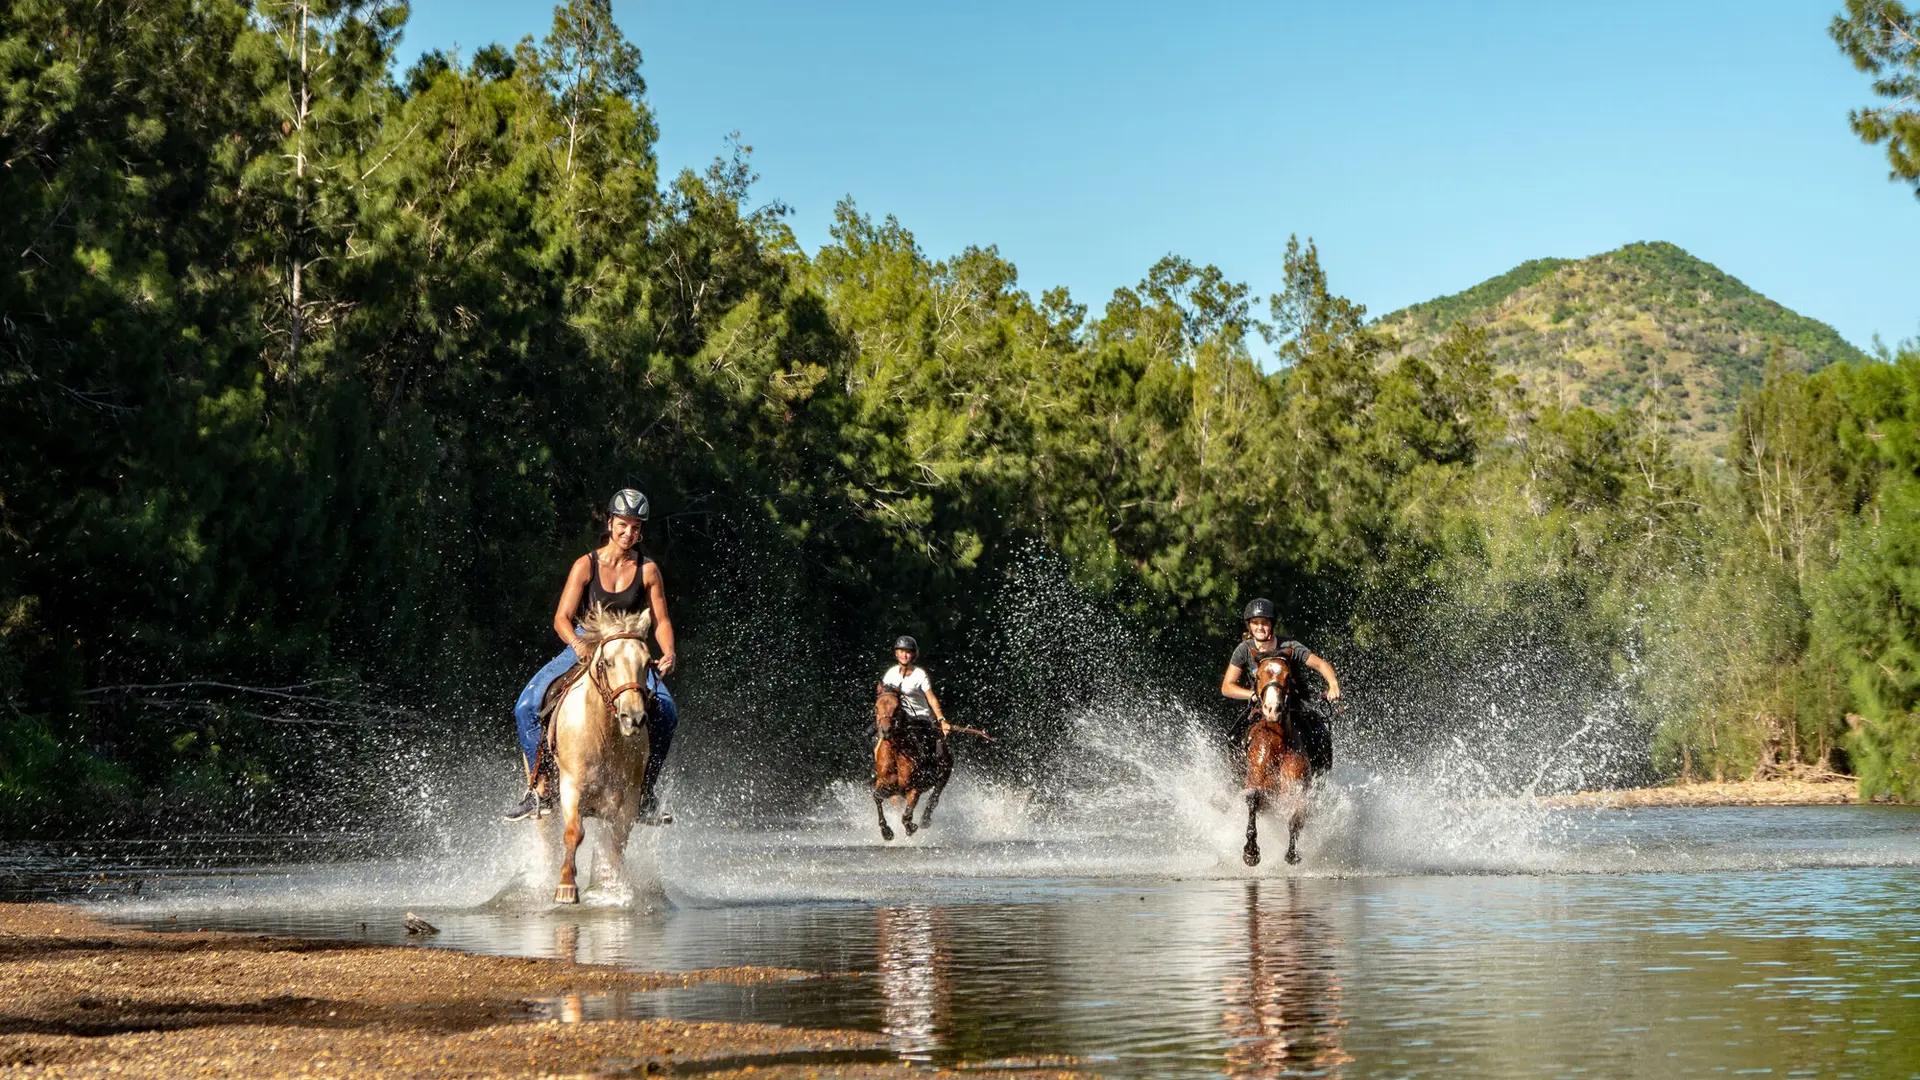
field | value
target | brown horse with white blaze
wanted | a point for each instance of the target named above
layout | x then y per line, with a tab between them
902	770
1276	767
599	739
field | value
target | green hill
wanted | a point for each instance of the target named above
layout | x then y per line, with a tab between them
1612	330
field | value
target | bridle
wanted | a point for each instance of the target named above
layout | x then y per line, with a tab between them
597	670
886	725
1285	680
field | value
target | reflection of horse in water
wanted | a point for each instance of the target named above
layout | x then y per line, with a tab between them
1283	1012
910	759
599	739
915	979
1276	763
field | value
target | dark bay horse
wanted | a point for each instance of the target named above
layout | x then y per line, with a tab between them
906	765
1276	767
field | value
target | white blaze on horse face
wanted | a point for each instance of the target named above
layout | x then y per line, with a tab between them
626	664
1270	697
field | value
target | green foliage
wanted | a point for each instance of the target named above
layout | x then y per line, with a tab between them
1882	38
1441	313
311	376
1646	328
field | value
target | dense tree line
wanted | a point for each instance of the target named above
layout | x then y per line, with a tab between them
311	376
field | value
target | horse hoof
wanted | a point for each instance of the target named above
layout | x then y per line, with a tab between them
566	894
886	832
1292	856
1251	855
910	827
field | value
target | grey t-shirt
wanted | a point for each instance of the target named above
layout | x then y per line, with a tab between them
1247	657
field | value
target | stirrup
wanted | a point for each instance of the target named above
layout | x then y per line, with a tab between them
650	813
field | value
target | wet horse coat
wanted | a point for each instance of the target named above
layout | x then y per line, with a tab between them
1276	768
599	739
902	770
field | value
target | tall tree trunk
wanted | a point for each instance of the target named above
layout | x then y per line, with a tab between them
301	109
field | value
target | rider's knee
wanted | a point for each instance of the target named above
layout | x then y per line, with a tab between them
526	712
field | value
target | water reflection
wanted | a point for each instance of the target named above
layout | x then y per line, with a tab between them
915	967
1809	961
1283	1007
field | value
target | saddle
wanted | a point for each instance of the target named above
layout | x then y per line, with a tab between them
550	703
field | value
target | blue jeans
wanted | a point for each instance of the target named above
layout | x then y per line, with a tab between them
526	711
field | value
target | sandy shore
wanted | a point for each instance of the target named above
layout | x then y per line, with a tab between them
1826	792
79	998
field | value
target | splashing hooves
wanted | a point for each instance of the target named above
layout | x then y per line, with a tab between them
566	894
1250	854
886	832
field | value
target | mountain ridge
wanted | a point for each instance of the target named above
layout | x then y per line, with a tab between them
1642	325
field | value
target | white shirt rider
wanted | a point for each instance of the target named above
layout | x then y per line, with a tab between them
910	681
913	688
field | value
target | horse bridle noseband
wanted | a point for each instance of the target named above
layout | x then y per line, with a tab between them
597	670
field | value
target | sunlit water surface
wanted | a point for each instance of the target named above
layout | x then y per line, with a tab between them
1419	937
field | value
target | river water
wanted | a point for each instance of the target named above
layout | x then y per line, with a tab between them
1421	936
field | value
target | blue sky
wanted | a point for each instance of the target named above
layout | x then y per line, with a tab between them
1425	146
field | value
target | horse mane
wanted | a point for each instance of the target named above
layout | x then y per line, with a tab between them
600	624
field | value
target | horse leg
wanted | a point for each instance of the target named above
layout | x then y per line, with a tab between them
942	772
880	808
933	799
1251	853
1294	772
1259	752
567	892
900	786
911	799
882	779
618	827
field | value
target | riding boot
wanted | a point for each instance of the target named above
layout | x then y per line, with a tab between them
649	802
528	806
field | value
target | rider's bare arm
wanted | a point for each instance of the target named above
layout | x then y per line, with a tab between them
939	713
662	625
1230	685
570	604
1325	670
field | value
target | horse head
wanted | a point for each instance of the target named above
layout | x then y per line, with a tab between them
884	708
1270	686
619	664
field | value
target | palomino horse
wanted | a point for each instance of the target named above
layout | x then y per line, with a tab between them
1276	768
599	738
905	771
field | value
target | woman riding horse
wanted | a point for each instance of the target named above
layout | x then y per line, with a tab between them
1259	644
910	755
616	578
1286	743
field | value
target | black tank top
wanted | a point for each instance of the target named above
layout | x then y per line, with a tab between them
630	598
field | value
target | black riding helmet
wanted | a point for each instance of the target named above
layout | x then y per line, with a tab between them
906	642
1261	608
628	502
